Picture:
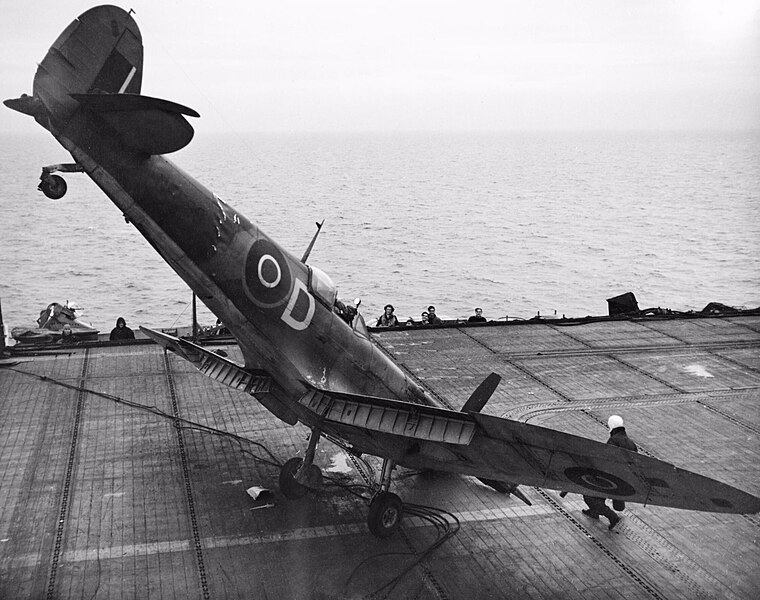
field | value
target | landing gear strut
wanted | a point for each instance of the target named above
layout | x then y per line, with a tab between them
298	476
386	508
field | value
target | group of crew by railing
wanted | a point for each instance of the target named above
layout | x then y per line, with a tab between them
428	317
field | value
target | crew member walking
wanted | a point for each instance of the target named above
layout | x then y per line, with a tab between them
596	505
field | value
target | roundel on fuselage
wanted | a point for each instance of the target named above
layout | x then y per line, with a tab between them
267	276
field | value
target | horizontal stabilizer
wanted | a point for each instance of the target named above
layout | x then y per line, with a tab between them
129	102
143	124
29	105
212	364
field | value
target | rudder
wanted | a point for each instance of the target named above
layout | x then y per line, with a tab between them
99	52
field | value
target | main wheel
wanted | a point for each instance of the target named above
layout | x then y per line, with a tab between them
53	186
288	484
385	512
294	489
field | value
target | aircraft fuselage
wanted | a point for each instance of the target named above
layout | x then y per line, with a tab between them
279	309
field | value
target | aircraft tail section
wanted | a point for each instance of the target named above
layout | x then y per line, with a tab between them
95	66
100	52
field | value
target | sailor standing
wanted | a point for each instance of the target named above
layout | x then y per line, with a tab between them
121	331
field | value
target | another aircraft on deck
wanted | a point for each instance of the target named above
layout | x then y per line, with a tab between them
308	357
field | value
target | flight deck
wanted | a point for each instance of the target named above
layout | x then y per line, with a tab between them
124	473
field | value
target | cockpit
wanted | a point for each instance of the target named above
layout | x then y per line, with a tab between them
324	290
322	286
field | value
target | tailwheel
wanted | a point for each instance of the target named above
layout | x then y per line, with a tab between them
53	186
385	513
296	480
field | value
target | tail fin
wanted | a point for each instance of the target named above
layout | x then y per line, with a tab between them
96	66
100	52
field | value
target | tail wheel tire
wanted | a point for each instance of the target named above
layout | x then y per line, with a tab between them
53	186
385	513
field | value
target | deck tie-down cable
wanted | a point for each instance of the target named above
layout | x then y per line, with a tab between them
445	527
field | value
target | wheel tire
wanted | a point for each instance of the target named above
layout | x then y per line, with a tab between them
314	478
385	513
53	186
288	484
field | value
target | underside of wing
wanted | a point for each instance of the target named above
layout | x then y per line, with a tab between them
490	447
256	382
552	459
212	364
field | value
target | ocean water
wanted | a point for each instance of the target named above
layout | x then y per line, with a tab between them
514	223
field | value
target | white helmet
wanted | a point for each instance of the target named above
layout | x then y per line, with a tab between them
614	422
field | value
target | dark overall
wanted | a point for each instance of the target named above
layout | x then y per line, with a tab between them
598	506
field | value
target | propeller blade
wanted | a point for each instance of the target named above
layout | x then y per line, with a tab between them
482	394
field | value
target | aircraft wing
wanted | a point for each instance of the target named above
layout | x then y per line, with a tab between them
425	437
213	365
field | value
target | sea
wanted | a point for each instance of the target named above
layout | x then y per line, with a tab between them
519	224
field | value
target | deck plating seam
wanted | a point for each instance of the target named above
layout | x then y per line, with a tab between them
67	481
639	579
186	477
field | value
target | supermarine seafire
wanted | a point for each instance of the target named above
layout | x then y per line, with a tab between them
307	357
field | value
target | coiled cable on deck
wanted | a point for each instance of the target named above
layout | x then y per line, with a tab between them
446	525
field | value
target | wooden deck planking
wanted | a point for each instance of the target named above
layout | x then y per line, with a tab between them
129	531
615	334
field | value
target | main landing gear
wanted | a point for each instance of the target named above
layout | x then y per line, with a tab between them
385	508
298	476
54	186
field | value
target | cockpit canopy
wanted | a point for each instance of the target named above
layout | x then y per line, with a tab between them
322	287
324	290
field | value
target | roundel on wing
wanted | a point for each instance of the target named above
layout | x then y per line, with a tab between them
267	276
599	481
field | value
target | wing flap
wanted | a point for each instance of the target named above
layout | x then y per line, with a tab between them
392	417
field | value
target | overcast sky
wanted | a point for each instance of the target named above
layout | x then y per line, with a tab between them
353	65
